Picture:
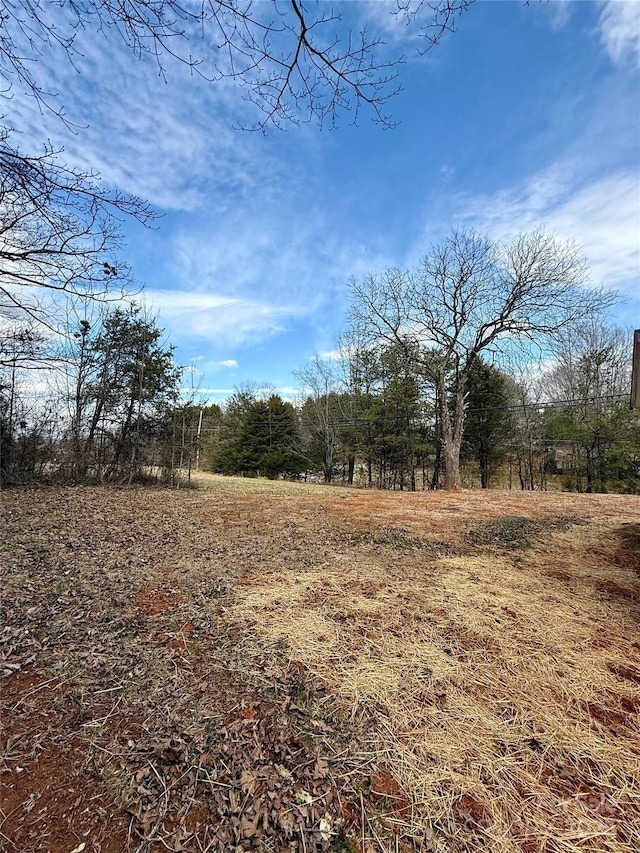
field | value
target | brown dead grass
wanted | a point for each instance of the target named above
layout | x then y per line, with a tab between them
490	678
470	661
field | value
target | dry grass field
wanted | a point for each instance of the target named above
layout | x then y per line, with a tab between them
280	667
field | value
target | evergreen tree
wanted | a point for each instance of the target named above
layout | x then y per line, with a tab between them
488	423
127	385
259	437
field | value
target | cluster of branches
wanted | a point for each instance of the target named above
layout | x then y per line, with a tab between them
295	60
59	242
58	235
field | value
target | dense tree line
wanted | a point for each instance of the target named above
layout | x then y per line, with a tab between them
438	382
115	413
419	391
372	419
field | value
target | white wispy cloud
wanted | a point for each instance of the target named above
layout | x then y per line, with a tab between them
620	30
602	216
172	142
269	258
236	247
406	29
247	248
332	354
383	20
220	319
560	13
229	363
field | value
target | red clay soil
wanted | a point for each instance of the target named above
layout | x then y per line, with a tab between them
49	798
387	790
154	602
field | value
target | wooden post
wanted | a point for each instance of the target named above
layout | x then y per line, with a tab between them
635	371
198	440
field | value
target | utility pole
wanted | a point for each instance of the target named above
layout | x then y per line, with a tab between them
198	440
635	371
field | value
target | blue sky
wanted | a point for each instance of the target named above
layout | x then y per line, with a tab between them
526	117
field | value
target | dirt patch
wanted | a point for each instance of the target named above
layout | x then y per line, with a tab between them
559	575
50	798
386	790
630	673
51	804
471	814
178	641
154	602
615	590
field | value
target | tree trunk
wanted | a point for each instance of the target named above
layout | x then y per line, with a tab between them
589	471
437	465
451	455
532	472
198	440
352	465
484	473
121	442
452	424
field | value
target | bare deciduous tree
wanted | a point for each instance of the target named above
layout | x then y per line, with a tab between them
590	379
471	296
320	388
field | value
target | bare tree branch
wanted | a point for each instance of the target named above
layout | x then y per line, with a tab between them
471	295
442	17
297	60
59	233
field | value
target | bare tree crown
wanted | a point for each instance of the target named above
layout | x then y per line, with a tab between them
469	292
58	233
469	296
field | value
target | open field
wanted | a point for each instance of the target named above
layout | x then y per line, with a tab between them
281	667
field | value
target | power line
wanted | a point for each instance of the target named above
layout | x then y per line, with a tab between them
418	420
